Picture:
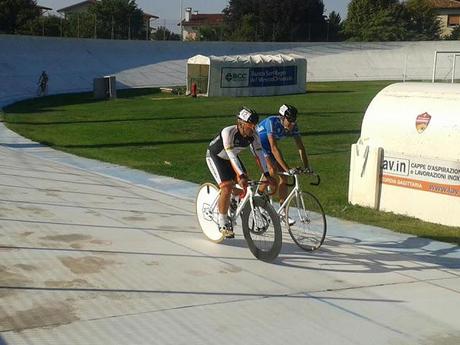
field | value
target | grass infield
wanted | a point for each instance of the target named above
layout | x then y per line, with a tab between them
168	135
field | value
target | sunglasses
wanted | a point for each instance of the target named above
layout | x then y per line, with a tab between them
250	125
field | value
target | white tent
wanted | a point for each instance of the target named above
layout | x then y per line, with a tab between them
247	75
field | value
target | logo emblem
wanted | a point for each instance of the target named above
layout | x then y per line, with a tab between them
228	76
422	122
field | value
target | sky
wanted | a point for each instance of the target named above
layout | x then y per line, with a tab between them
169	10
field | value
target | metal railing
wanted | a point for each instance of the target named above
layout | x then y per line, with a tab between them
455	54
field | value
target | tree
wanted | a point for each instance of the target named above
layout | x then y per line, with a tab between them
375	20
15	15
118	19
162	33
423	24
82	25
211	33
334	27
389	20
274	20
455	34
244	31
43	26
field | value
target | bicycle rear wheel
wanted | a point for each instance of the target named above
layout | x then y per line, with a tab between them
262	229
207	216
309	229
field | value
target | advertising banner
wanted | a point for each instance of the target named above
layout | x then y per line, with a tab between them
258	76
430	175
235	77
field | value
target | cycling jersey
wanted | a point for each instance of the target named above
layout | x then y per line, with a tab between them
229	143
273	125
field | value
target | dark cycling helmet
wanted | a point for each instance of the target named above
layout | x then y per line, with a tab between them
248	115
289	112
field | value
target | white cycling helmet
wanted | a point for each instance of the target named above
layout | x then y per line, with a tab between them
289	112
248	115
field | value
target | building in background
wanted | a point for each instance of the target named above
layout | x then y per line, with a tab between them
77	8
192	23
448	12
43	9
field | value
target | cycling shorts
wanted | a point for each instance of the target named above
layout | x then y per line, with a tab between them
221	169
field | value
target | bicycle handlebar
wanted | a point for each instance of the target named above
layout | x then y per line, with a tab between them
251	183
302	171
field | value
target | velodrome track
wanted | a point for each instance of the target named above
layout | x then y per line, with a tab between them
72	64
92	253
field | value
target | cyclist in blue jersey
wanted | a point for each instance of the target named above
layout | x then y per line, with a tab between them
275	128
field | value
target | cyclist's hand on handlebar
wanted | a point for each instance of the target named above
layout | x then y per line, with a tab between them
308	170
243	181
271	181
292	171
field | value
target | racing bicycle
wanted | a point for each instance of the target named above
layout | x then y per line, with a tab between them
259	220
302	213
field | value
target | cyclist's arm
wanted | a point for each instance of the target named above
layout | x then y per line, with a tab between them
277	152
228	135
258	154
302	152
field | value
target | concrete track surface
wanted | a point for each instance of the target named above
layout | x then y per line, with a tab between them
92	253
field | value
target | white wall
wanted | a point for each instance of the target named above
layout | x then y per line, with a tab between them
73	63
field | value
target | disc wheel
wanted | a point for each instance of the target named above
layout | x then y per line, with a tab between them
207	218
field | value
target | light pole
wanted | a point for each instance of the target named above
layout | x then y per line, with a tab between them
181	28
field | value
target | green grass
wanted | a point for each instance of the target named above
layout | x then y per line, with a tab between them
168	135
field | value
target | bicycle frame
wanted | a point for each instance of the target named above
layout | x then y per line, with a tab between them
295	191
248	196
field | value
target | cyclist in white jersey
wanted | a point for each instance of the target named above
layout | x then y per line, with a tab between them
227	168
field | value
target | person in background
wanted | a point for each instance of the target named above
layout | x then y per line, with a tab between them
43	84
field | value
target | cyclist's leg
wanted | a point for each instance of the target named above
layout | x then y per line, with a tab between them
224	175
224	198
282	185
272	169
283	193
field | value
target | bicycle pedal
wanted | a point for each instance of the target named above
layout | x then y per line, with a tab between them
228	233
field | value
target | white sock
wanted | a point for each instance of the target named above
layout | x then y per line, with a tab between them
222	219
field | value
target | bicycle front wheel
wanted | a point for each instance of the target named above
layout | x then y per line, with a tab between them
309	221
206	212
262	229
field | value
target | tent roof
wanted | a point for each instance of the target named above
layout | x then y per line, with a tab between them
250	59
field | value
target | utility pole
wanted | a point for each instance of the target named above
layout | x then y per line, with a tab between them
129	27
181	28
112	35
